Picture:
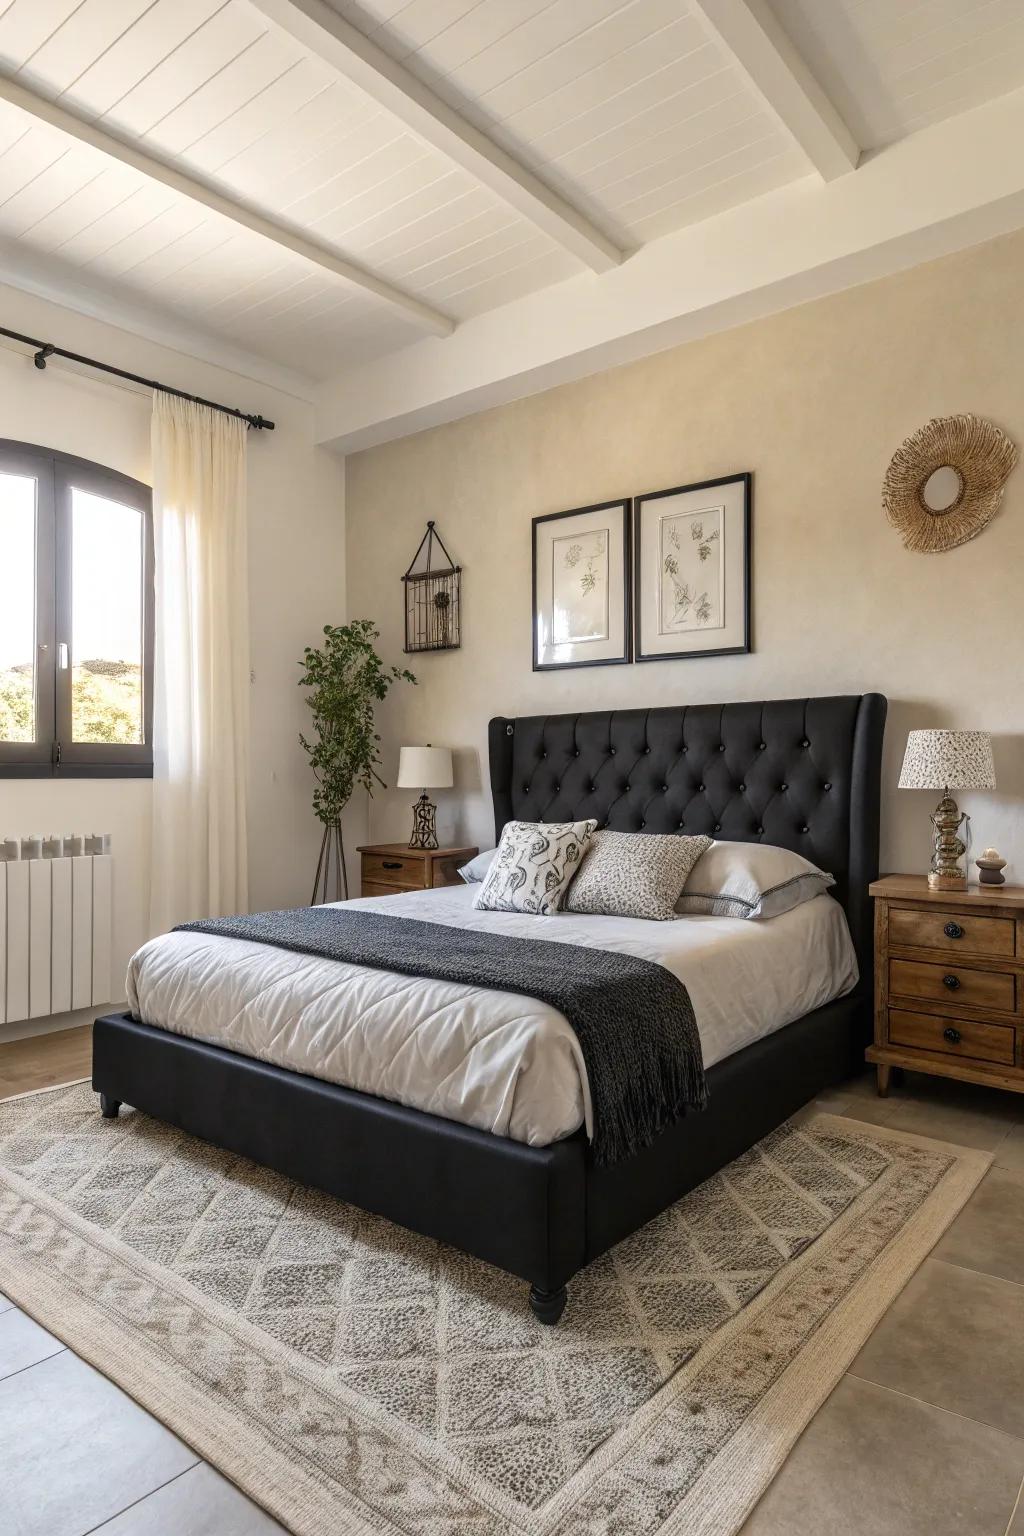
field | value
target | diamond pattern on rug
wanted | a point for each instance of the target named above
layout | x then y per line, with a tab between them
440	1341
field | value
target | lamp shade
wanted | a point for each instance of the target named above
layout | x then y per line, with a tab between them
425	768
948	760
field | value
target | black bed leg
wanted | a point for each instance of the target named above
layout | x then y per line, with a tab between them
109	1107
547	1306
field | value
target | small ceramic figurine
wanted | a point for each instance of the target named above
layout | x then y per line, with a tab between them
991	867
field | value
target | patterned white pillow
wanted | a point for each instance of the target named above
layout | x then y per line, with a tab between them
533	866
634	874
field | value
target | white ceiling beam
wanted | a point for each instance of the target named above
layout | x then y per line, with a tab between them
281	235
766	54
320	29
949	186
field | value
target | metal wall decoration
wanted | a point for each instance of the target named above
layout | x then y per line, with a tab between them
945	483
433	598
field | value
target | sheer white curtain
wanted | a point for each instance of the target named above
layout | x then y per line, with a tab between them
201	683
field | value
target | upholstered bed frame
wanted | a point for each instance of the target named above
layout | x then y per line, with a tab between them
800	773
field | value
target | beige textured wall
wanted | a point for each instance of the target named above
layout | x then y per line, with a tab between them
814	402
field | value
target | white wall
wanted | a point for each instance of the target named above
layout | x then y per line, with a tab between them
296	585
814	402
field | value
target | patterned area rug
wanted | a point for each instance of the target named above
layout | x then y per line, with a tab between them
355	1378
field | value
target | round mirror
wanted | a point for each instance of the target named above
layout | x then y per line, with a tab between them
942	489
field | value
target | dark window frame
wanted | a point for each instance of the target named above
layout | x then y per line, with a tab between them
54	753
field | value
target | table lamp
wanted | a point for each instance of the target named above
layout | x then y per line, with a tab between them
948	760
424	768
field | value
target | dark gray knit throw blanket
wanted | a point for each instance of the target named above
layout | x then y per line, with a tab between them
633	1019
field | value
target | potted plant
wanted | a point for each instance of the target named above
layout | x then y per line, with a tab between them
346	678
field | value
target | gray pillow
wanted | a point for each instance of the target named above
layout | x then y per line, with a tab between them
474	871
751	880
634	874
533	866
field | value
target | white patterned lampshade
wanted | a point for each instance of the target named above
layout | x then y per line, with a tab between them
948	760
425	768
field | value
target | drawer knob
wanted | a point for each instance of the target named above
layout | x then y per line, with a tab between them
952	1035
953	931
952	982
392	863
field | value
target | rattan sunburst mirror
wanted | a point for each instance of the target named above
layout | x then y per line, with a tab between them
945	483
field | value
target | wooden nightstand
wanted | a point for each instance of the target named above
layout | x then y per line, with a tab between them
388	869
949	982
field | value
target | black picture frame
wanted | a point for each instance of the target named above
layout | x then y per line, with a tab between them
746	480
623	504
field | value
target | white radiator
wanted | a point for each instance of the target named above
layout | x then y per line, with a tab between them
55	933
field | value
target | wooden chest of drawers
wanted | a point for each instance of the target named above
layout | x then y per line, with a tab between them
949	982
388	869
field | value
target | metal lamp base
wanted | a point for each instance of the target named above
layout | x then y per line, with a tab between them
947	873
424	824
938	882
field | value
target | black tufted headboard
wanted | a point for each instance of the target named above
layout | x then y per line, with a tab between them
800	773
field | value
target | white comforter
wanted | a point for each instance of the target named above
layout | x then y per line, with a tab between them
494	1060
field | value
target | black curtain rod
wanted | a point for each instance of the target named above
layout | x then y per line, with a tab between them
45	349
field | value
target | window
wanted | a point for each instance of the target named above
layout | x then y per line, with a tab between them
76	618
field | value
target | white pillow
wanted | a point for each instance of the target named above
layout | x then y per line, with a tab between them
533	866
754	880
634	874
474	871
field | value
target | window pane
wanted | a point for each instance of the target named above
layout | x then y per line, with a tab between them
17	608
106	620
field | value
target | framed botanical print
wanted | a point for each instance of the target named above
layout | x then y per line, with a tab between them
581	588
692	570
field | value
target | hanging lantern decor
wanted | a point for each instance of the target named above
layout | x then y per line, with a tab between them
433	597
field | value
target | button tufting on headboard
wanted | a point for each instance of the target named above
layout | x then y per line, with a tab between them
801	773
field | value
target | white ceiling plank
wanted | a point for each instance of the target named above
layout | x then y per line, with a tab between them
698	133
764	51
27	158
625	134
482	27
154	236
217	102
196	61
87	34
728	192
249	125
635	69
359	59
91	202
158	31
660	188
148	202
154	170
68	176
556	55
191	246
420	21
28	24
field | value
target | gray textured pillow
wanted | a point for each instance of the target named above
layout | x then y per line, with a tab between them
634	874
533	866
751	880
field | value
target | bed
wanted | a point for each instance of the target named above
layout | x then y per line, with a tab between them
242	1067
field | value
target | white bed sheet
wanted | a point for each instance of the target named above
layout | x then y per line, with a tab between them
503	1063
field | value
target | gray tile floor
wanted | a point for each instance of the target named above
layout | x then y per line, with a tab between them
923	1436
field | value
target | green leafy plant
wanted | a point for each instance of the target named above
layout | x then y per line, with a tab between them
346	678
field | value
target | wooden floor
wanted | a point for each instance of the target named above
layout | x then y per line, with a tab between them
44	1060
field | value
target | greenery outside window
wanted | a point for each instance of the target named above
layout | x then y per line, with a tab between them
76	618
